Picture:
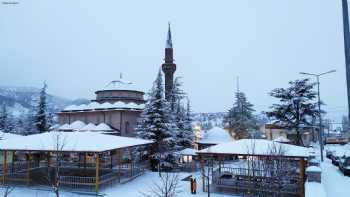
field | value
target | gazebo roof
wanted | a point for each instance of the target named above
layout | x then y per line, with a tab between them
4	135
259	147
70	142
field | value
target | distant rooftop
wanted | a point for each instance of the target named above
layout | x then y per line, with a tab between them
216	135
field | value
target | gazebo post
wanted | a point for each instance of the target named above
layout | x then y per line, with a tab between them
48	160
85	160
131	160
202	170
220	160
111	158
97	181
302	176
119	163
79	159
28	157
13	162
4	166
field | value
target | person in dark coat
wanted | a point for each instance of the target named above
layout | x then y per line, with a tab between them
191	182
194	186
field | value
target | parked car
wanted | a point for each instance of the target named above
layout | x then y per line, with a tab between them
329	154
335	159
344	166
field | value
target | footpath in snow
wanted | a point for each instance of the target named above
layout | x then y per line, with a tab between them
335	183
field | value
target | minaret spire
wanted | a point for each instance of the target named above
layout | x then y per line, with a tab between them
168	67
169	42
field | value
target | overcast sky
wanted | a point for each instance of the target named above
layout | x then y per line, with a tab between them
79	46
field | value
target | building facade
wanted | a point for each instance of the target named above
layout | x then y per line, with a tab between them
118	105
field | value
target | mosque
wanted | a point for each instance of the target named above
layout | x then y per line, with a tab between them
118	106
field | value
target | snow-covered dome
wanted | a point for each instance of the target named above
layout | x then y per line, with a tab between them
103	127
216	135
121	84
88	127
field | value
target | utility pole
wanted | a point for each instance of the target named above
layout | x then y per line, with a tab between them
319	107
347	49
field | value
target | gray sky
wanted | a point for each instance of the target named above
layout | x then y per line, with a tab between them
79	46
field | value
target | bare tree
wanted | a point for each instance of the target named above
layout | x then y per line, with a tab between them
7	190
168	186
54	175
207	173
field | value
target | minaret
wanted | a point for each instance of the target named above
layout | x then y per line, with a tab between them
347	48
168	67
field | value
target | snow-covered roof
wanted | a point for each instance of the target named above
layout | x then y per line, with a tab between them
216	135
281	139
256	147
188	151
71	142
4	136
100	106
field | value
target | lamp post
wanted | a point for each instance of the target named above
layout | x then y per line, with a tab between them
319	106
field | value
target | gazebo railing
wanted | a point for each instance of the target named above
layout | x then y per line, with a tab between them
256	180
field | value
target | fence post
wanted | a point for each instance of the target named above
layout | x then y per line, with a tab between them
97	172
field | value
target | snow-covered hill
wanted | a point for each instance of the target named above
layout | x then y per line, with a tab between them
19	100
209	120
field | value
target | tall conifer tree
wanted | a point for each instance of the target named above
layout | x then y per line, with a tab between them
41	121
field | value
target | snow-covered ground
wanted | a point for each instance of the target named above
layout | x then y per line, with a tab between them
135	188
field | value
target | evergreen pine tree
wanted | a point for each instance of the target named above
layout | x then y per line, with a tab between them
41	121
154	122
187	133
3	119
296	108
239	118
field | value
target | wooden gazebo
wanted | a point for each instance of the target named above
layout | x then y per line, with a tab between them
265	168
78	160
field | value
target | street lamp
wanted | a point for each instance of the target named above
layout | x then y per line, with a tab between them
319	105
